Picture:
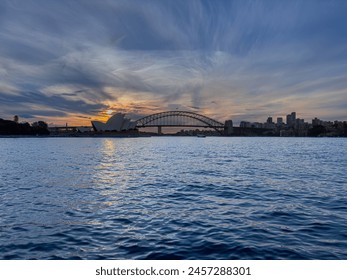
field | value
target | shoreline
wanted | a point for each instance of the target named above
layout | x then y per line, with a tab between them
163	135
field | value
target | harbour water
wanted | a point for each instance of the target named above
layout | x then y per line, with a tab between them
173	198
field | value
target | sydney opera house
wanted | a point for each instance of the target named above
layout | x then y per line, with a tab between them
117	122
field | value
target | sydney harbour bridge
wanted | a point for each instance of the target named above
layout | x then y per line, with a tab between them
164	119
183	119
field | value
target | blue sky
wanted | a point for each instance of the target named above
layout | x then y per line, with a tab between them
72	61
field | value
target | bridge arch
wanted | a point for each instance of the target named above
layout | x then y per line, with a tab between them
179	119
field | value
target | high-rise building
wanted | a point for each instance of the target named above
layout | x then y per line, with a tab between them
293	114
288	120
279	121
316	122
291	119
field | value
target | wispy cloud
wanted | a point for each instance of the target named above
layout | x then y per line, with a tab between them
228	59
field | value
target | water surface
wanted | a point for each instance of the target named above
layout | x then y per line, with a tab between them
173	198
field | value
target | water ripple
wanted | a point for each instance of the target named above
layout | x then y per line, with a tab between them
171	198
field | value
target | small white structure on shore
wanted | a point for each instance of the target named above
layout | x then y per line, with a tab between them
84	129
117	122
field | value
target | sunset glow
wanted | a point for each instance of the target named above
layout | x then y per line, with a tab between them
243	60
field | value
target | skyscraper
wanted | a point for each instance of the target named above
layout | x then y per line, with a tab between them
279	121
291	119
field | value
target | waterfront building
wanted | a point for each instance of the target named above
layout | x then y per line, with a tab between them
245	124
301	127
316	122
291	119
269	124
298	127
251	124
288	120
117	122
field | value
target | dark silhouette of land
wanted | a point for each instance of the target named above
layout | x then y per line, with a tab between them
294	127
8	127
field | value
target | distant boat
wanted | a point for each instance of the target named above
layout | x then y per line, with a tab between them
201	135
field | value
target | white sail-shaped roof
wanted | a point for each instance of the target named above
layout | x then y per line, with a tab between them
117	122
125	125
98	126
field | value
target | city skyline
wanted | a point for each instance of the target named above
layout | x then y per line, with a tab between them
241	60
174	121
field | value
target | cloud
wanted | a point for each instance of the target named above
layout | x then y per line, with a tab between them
224	58
37	104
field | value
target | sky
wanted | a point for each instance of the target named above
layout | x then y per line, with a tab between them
75	61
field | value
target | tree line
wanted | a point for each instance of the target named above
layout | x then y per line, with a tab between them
8	127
